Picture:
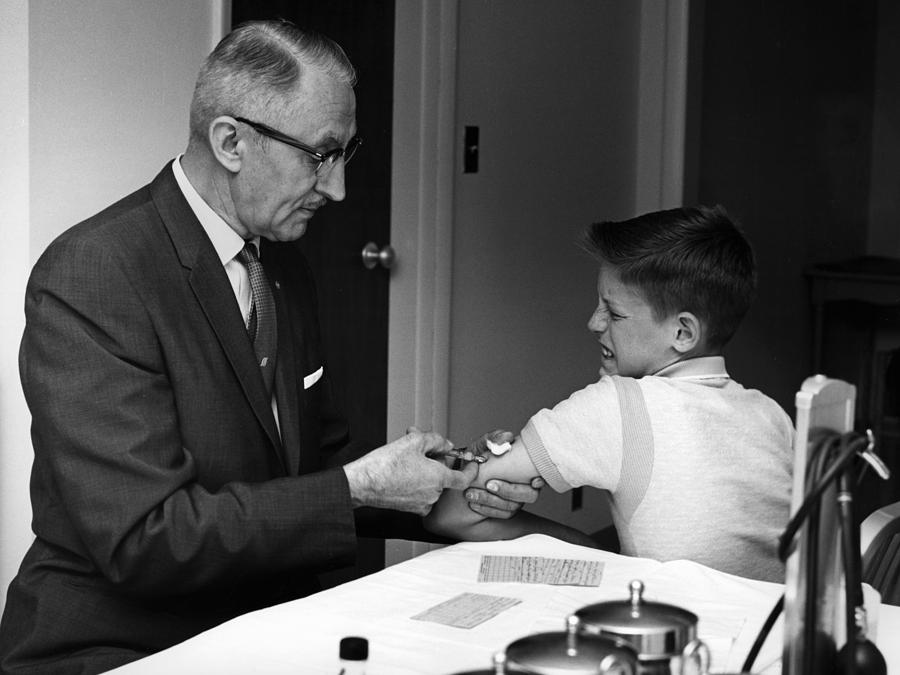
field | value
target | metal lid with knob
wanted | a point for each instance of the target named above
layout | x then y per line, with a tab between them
499	661
655	629
572	652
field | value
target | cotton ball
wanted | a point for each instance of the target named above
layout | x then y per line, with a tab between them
498	448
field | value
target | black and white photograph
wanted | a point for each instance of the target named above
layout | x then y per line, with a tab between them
450	337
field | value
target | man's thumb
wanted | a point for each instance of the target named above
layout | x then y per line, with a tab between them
460	480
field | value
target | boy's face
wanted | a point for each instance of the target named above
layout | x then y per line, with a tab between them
633	343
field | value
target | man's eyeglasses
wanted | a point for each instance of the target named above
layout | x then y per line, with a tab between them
326	160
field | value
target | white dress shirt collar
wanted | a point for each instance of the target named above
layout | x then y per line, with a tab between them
225	240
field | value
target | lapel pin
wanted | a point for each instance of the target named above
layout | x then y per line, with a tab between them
278	285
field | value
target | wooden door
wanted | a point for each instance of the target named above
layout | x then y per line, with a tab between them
353	300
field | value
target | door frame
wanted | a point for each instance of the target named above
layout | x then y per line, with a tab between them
421	224
421	213
662	104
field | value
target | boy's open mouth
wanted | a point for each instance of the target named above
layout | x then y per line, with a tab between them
605	352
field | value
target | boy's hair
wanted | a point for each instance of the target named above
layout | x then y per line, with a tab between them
686	259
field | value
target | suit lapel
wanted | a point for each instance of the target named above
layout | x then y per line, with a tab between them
288	391
214	294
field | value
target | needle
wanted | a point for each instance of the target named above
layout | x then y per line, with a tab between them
467	455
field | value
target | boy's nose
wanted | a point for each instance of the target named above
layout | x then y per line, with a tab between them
599	321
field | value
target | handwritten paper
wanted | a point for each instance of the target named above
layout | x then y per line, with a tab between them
528	569
467	610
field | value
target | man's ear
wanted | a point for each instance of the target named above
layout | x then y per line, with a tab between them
688	332
226	146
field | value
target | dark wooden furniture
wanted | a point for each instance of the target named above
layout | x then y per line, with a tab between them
865	293
872	280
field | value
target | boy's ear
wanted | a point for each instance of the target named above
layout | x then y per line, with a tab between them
688	332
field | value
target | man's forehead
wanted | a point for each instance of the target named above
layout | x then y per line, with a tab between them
323	110
319	87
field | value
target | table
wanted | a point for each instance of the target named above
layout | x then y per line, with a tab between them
302	636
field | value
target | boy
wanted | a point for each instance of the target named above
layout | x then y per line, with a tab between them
697	467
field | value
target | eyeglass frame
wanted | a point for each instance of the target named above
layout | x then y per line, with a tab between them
322	157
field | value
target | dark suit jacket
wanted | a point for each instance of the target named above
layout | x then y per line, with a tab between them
164	500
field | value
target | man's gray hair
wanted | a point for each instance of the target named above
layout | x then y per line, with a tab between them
256	67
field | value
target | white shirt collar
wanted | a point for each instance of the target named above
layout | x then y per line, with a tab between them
225	240
699	368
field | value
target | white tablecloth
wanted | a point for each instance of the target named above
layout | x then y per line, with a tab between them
303	636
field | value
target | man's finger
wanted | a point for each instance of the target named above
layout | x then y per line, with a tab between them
491	512
442	451
434	445
460	480
524	494
478	496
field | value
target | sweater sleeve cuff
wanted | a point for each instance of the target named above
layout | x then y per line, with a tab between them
534	446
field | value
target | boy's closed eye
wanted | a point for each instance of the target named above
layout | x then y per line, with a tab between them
612	314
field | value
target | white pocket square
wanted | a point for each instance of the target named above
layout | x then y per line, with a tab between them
312	378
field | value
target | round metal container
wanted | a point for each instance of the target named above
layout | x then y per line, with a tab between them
499	668
664	636
571	652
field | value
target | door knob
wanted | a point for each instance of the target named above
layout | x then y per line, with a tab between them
372	256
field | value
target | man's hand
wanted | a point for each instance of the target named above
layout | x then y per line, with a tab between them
408	474
501	499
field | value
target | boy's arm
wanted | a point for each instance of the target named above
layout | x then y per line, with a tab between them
452	517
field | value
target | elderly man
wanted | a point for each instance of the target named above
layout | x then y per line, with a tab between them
189	463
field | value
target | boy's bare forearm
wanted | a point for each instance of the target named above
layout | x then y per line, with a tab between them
451	517
530	523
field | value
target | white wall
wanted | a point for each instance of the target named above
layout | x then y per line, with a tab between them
15	450
111	82
96	94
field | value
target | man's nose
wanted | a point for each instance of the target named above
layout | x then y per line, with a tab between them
331	183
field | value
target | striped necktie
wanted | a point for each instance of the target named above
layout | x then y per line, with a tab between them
262	323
